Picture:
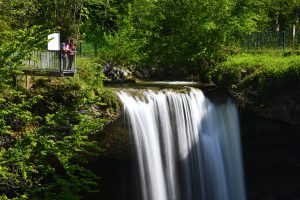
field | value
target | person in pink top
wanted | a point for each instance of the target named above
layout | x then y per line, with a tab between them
71	53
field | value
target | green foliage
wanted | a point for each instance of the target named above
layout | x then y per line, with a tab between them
45	139
184	36
98	17
3	26
50	145
45	134
16	46
64	15
186	33
194	33
90	73
189	37
283	11
17	14
258	76
120	47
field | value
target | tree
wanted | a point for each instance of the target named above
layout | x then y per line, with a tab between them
15	13
187	36
59	15
44	134
62	15
99	18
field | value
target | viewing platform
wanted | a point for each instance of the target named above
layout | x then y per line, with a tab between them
49	63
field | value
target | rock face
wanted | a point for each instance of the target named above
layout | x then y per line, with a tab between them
116	140
117	74
271	150
270	129
283	107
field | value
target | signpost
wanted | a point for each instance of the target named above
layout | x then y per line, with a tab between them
54	43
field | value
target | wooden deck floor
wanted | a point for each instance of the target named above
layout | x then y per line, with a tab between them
45	72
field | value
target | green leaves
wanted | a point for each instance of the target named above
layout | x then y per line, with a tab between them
258	77
55	146
45	133
15	47
183	36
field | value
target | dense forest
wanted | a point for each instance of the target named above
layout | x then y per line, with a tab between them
46	132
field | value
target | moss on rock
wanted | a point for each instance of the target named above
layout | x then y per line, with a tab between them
266	84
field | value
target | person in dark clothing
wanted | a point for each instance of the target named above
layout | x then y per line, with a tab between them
63	55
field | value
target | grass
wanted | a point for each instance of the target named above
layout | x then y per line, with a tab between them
263	75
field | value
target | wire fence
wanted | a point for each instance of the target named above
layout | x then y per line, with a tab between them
87	49
266	40
271	40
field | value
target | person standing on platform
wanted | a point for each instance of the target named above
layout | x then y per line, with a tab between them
63	56
71	53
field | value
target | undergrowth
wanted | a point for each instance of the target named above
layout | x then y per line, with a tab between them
258	76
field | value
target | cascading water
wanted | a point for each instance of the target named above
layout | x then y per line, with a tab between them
187	147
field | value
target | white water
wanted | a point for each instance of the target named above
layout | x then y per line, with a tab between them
187	148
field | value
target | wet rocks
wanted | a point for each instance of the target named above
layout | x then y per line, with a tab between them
117	74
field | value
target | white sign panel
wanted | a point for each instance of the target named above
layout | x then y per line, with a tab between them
54	43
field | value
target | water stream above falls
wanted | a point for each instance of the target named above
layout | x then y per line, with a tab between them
186	146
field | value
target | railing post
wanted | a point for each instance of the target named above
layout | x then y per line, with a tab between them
60	63
96	48
75	63
27	84
80	49
283	40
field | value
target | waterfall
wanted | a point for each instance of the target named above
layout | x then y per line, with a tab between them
187	148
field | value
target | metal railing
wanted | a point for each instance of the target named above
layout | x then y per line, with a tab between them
51	61
44	60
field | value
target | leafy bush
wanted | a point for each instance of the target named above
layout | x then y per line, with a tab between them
260	75
45	133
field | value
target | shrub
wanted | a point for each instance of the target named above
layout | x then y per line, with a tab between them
258	75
